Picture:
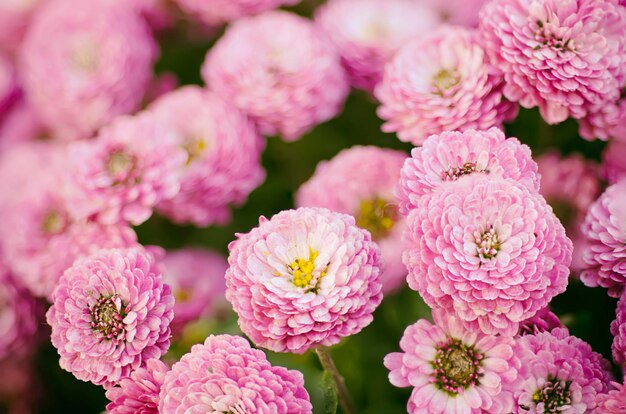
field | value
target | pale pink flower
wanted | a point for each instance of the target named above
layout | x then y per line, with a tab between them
613	167
280	70
613	402
489	250
458	12
20	123
360	181
138	393
304	278
367	33
226	375
217	12
111	314
223	155
605	120
441	82
452	370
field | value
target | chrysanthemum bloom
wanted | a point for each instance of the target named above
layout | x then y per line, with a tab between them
138	393
15	16
605	120
83	63
489	250
305	277
217	12
280	70
111	314
560	57
360	181
458	12
452	155
226	375
223	155
613	166
441	82
543	321
196	277
618	330
613	402
367	33
18	316
559	374
604	230
133	164
20	123
570	185
451	370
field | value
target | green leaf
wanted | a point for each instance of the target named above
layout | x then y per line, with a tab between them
329	393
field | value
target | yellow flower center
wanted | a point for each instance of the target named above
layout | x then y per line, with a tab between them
303	271
195	147
445	79
53	222
377	216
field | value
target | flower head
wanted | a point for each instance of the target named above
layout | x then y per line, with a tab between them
543	321
111	314
279	70
489	250
368	32
613	402
613	167
138	393
360	181
441	82
452	155
223	155
618	330
226	375
305	277
563	57
451	370
217	12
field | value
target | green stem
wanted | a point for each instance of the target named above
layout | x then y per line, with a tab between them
345	400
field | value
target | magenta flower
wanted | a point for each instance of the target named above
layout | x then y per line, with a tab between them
226	375
543	321
360	181
604	229
613	166
279	70
489	250
111	314
559	374
223	156
441	82
613	402
83	63
458	12
196	277
451	155
217	12
564	58
132	165
618	330
138	393
367	33
304	278
453	371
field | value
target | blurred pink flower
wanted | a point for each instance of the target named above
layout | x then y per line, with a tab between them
15	16
83	63
20	123
613	167
367	33
304	278
280	70
217	12
441	82
360	181
489	250
451	370
111	314
226	375
458	12
223	155
618	330
138	393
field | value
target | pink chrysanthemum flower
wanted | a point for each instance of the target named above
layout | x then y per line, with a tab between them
458	12
613	402
367	33
100	65
111	313
543	321
564	57
360	181
280	70
613	167
618	330
15	15
133	164
605	120
305	277
489	250
570	185
438	83
452	155
19	124
18	316
226	375
217	12
451	370
196	277
223	155
138	393
604	229
559	374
